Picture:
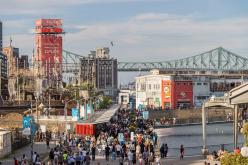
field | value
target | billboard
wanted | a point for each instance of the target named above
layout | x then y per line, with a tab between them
26	122
82	111
41	23
49	46
75	114
145	115
166	94
49	49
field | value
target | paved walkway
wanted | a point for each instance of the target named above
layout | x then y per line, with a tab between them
39	147
197	160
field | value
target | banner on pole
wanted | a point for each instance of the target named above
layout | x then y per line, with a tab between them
75	114
82	111
145	115
26	122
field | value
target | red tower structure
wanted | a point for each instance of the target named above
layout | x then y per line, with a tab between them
49	47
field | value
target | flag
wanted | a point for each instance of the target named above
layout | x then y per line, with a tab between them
10	41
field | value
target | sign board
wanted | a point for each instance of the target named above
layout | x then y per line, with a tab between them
121	137
26	131
75	114
132	136
88	108
26	121
82	111
145	115
140	107
68	126
43	128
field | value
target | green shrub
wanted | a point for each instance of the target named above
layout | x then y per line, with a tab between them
233	159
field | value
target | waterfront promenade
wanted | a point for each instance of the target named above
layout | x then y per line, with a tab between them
39	147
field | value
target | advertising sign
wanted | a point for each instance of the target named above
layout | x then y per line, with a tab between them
75	114
43	128
132	136
140	107
121	137
166	93
82	111
51	48
145	115
48	23
26	122
26	131
88	108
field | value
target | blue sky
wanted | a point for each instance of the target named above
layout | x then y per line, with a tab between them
142	30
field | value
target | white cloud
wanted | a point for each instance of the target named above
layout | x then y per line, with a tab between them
153	37
160	36
45	7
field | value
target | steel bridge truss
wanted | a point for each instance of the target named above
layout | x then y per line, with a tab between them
218	59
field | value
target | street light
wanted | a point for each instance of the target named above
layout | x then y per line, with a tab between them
66	101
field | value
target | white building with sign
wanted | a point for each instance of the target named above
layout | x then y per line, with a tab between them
148	89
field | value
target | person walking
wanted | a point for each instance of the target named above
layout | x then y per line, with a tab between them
118	150
51	155
141	161
130	157
113	152
162	151
165	150
15	161
87	159
34	158
93	152
107	149
181	152
38	161
157	160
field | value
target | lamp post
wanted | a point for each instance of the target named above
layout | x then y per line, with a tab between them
31	135
66	101
65	113
36	105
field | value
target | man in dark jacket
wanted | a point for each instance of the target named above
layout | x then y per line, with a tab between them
162	151
107	149
93	152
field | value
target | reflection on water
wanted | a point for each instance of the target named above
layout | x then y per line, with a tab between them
191	138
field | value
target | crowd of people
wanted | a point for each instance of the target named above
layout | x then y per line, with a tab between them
127	139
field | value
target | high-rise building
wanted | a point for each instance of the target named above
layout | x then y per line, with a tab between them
23	62
12	54
3	64
99	70
1	36
48	40
3	76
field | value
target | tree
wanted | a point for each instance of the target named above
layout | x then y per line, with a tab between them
105	102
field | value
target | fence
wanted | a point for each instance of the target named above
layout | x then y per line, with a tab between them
5	143
197	150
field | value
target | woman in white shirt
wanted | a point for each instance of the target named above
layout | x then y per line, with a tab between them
130	157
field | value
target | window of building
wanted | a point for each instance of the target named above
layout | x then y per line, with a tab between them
198	83
205	83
